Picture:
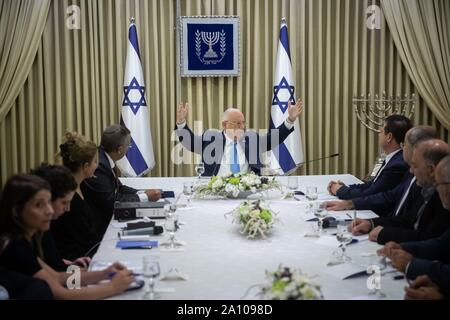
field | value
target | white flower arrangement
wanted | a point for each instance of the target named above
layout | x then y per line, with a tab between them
255	216
290	284
234	185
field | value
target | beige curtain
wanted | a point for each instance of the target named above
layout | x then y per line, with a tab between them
21	25
421	32
76	82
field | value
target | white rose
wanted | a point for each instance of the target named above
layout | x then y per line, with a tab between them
217	184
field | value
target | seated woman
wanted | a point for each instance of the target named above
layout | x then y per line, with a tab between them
63	187
26	213
18	286
74	232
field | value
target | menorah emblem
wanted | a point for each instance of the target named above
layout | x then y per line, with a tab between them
372	112
210	39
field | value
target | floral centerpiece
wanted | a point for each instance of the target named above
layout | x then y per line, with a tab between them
255	217
235	185
290	284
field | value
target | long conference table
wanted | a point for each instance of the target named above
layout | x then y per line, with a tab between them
222	264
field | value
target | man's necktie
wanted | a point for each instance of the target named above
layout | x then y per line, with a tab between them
234	166
116	173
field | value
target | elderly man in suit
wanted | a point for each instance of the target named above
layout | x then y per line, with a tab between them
390	137
234	149
428	262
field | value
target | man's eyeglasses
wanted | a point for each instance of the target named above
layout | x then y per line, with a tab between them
237	124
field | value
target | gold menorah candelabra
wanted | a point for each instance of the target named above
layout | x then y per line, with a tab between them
372	111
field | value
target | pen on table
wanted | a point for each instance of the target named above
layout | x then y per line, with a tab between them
112	274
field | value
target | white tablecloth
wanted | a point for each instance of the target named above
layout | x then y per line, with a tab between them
222	263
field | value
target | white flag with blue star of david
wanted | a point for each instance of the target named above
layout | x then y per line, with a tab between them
289	154
135	113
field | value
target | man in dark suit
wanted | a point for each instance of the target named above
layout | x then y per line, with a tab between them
233	150
390	137
102	190
392	202
430	257
425	217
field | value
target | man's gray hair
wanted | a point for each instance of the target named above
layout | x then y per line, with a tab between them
113	137
226	113
421	133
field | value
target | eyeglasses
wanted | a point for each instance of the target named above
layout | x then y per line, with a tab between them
236	124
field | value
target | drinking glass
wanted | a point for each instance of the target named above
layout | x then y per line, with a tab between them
293	182
320	212
187	191
311	195
171	225
199	169
151	270
344	236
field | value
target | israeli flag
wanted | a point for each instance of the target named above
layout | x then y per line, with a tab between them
135	114
289	154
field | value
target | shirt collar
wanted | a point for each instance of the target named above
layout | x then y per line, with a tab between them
111	162
228	140
391	155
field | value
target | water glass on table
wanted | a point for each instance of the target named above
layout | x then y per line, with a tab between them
151	270
188	189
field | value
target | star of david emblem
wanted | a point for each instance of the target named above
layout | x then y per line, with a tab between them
134	95
283	93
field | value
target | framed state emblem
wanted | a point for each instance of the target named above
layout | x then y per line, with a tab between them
210	46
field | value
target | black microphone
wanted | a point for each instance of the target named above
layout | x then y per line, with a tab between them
313	160
143	231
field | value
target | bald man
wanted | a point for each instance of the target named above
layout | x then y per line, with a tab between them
427	219
234	149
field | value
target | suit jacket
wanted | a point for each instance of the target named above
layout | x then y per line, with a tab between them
385	203
103	190
434	221
211	145
389	178
431	257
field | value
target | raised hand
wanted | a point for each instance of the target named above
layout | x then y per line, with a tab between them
182	112
295	110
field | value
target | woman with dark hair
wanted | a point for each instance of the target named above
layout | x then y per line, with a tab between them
74	232
63	187
26	213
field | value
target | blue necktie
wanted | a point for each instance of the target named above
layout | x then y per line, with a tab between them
234	166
